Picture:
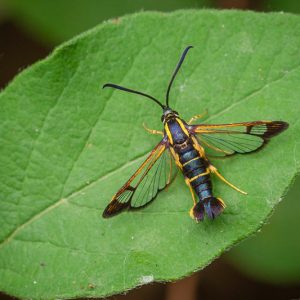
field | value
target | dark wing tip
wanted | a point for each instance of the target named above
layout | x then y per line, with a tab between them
114	208
285	125
275	127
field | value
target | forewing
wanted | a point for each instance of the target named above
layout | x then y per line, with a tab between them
154	175
229	139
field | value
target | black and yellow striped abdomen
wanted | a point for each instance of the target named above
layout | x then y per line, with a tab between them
194	168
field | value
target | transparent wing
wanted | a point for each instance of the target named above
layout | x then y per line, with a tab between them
154	175
229	139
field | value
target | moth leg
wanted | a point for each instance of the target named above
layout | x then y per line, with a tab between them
215	171
194	118
152	131
187	181
198	147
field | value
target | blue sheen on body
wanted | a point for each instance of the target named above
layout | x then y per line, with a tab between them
177	133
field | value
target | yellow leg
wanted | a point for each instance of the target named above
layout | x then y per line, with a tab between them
187	181
215	171
194	118
198	147
152	131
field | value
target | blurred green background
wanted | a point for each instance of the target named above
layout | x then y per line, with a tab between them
54	21
30	29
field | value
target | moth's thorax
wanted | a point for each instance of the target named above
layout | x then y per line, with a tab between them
176	131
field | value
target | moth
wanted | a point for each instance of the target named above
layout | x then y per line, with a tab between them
184	146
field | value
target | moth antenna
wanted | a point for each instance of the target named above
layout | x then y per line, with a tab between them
118	87
176	71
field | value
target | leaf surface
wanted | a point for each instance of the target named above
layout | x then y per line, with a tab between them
67	146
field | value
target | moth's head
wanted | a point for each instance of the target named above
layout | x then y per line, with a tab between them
168	114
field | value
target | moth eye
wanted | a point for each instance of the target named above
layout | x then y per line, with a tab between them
162	118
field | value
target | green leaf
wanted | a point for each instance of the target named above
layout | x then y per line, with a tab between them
67	146
273	255
57	20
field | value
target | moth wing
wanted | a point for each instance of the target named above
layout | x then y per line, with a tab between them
229	139
154	175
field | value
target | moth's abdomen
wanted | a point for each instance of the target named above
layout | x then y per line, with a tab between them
195	168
